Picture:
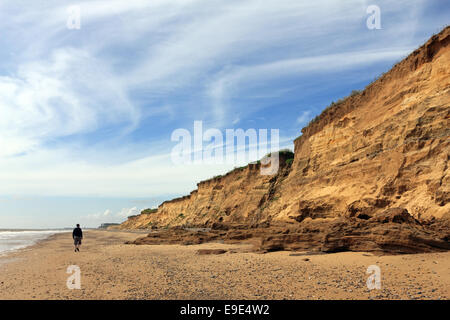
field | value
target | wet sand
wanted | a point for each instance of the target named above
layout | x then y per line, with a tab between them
112	270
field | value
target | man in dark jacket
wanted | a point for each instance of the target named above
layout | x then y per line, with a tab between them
77	235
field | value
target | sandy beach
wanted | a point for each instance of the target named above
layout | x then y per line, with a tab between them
111	269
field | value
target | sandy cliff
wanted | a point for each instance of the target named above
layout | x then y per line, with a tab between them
383	152
239	197
386	147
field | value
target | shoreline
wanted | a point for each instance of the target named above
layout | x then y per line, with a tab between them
4	254
113	270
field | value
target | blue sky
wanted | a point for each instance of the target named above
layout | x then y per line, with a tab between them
86	115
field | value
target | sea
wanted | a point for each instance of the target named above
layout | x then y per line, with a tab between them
11	240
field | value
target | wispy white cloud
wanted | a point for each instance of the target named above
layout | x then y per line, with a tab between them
72	93
99	216
126	212
108	216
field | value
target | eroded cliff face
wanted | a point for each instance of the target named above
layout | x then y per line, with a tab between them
384	148
236	198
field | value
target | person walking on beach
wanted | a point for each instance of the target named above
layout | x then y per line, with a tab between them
77	235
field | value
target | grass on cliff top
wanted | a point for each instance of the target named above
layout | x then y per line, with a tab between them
289	161
285	153
149	211
333	105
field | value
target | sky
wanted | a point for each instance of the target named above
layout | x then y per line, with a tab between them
87	111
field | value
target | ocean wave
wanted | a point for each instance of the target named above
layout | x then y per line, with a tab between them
11	240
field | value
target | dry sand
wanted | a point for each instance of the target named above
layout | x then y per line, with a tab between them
113	270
